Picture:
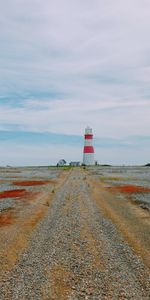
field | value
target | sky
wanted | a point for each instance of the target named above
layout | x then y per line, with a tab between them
66	64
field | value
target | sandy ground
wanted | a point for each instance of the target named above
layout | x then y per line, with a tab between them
18	222
79	242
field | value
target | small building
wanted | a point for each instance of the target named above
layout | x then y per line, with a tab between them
61	163
74	163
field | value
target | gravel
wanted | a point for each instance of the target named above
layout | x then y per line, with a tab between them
76	253
122	176
8	175
8	203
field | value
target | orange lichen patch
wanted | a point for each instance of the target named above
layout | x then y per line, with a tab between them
6	218
130	189
13	193
33	182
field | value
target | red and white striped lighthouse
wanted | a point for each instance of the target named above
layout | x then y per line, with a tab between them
88	152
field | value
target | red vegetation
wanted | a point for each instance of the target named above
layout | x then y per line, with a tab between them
6	218
130	189
32	182
13	193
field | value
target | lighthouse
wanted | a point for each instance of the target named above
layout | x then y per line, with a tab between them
88	151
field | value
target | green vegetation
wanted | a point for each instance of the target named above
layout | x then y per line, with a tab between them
105	178
65	168
59	168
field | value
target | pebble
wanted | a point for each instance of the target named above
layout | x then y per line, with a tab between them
61	256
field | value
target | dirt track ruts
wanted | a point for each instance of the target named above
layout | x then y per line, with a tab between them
76	253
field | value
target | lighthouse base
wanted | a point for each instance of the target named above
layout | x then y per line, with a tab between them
88	159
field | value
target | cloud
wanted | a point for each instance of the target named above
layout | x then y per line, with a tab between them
114	119
23	148
66	64
44	154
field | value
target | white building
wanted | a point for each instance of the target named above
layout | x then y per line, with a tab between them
61	163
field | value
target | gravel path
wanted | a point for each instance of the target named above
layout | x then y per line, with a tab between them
76	253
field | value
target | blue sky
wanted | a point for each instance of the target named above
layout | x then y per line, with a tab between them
68	64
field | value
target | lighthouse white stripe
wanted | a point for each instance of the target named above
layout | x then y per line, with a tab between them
88	158
88	143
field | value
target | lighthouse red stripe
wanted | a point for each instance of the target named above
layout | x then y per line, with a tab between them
88	149
88	136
